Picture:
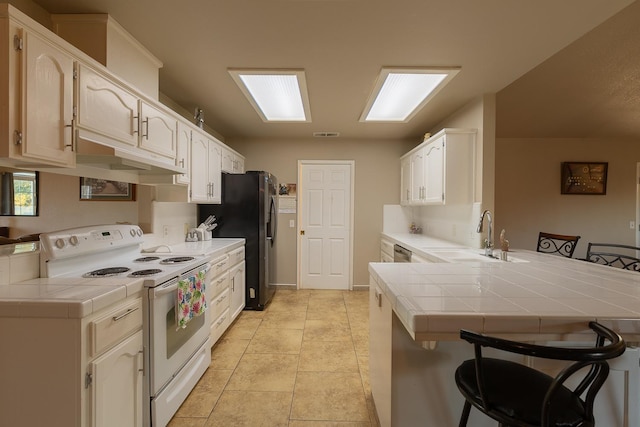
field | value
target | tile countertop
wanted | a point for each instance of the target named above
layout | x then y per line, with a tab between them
64	297
544	295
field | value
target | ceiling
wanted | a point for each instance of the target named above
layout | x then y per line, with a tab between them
342	45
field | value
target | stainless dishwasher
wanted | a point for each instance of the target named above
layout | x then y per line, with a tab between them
401	254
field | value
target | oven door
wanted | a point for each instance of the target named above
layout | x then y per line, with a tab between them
171	347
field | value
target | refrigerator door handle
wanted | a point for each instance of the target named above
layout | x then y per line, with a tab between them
273	220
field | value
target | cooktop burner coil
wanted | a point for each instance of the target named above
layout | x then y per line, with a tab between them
177	260
107	272
147	259
146	272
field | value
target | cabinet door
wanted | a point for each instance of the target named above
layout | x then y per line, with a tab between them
417	177
405	180
228	161
106	109
158	131
215	172
239	164
183	150
434	172
199	189
47	111
237	285
380	317
117	385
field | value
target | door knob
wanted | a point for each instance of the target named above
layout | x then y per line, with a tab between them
302	232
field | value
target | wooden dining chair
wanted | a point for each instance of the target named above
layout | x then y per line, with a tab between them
516	395
558	244
614	255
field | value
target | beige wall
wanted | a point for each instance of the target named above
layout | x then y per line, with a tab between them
377	182
60	208
528	198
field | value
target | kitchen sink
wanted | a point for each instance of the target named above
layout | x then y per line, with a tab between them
466	255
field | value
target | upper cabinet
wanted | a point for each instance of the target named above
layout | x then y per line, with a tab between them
232	162
66	111
37	87
106	111
206	169
440	170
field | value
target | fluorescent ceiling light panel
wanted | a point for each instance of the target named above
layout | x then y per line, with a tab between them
400	93
277	95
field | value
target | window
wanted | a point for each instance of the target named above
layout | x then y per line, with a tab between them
19	194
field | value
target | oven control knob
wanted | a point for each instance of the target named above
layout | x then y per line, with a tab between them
139	232
73	240
60	243
132	232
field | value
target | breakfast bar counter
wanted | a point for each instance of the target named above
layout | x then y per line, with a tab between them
418	309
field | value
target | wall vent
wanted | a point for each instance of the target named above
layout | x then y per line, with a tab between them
326	134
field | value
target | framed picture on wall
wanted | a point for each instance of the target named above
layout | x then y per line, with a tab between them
584	178
105	190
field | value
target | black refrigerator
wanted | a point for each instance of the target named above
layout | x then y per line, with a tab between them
249	209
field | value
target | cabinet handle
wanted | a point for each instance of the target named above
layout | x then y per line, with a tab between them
71	127
146	132
379	298
233	285
125	314
219	322
222	298
181	163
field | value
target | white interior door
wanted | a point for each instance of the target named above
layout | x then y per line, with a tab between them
325	224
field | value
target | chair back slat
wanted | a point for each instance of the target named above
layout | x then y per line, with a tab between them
559	244
614	255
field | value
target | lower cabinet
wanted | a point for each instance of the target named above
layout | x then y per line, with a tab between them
386	251
380	315
73	372
117	392
226	290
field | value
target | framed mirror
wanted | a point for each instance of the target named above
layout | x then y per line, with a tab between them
18	193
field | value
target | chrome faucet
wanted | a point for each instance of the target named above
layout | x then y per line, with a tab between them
488	243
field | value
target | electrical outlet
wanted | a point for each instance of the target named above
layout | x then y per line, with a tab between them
632	225
292	223
165	231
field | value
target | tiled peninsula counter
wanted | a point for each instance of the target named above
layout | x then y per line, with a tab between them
417	310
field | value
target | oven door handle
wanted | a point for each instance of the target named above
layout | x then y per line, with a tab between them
165	289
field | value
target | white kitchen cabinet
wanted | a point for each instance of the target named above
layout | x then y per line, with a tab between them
73	371
183	153
405	180
237	286
158	131
416	161
226	290
232	162
37	88
380	316
441	169
105	109
117	393
206	169
386	250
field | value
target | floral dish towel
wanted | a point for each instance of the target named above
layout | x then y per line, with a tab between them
192	301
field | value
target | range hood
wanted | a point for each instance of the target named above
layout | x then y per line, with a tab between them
129	159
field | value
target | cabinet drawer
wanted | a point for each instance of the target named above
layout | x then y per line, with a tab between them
219	304
236	256
386	247
112	328
218	265
217	285
219	325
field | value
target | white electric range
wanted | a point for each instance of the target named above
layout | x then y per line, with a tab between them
176	357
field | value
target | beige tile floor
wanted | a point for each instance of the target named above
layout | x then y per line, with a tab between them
302	362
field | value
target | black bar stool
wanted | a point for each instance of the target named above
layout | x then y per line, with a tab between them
519	396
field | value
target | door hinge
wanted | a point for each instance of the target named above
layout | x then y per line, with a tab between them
88	379
17	137
75	74
18	43
75	111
